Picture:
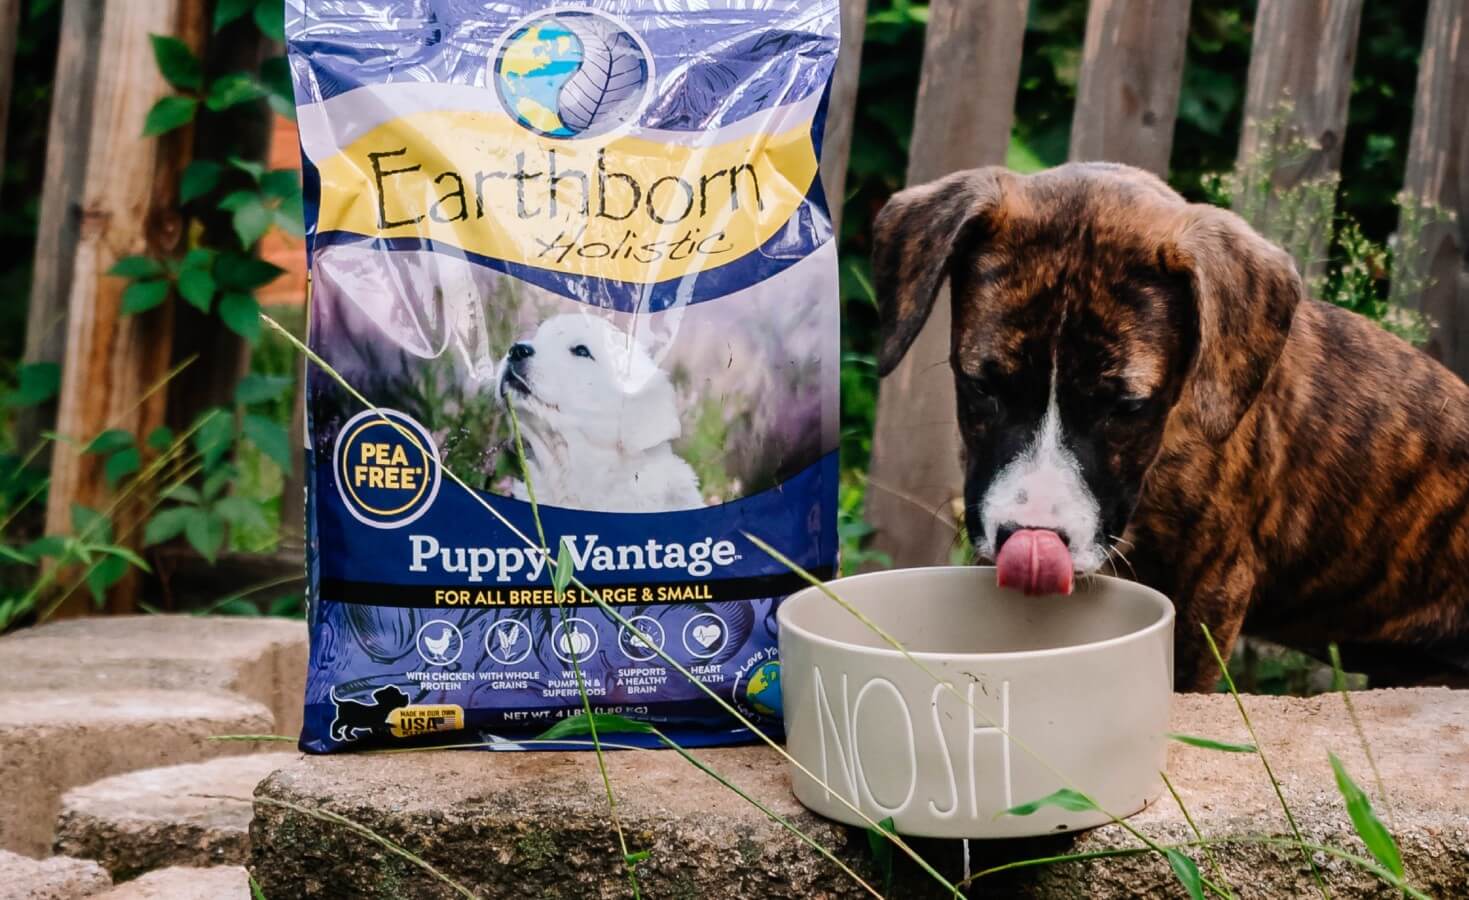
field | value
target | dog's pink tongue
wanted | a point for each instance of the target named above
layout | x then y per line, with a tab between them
1036	562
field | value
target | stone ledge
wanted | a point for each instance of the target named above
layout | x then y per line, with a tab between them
263	659
155	818
55	739
182	883
535	824
57	878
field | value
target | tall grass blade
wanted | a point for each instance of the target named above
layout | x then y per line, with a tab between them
1265	763
1369	828
1188	873
1210	744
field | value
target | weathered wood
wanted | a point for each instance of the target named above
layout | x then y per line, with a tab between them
1438	176
1295	118
67	141
9	26
966	102
1131	75
841	110
128	195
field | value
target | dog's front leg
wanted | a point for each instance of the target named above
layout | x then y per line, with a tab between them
1219	602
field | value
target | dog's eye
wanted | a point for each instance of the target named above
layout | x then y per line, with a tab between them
581	350
1130	405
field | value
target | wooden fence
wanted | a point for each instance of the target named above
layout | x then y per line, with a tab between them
1299	80
109	193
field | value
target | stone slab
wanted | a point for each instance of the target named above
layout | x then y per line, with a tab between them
263	659
59	738
536	824
182	883
56	878
169	816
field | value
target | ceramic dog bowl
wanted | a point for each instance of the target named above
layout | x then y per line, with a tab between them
1080	684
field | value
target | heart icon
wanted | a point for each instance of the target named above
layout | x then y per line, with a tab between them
706	635
574	643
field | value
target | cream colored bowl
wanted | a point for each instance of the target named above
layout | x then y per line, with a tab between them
1047	692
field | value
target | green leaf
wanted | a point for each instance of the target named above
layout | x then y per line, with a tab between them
217	481
16	555
580	724
142	296
1370	829
197	287
121	464
233	89
200	177
103	574
242	512
256	893
289	217
205	533
252	220
89	525
275	74
281	183
169	113
50	545
1210	744
180	67
160	438
227	11
270	436
214	436
256	388
110	441
287	605
183	493
166	525
236	606
270	18
1187	872
243	272
241	313
881	847
1065	798
36	383
561	577
123	553
136	267
250	167
637	857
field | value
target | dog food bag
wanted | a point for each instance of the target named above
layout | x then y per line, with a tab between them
573	275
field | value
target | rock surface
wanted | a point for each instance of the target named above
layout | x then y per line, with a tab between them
57	878
181	883
170	816
55	739
536	824
263	659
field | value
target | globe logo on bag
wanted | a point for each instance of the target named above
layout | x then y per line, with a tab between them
572	74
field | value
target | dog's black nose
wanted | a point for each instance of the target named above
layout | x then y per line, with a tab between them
521	350
1007	530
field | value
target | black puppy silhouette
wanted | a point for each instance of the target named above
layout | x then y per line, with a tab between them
354	715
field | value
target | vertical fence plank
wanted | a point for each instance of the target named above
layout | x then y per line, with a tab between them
841	110
1438	177
59	221
127	193
966	103
1131	74
9	26
1295	118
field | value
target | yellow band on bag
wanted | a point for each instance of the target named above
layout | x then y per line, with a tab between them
628	208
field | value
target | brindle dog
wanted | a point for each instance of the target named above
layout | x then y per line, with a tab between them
1139	373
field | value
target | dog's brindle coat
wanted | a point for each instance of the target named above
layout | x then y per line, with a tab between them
1254	453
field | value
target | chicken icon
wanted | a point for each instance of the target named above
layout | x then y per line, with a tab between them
438	647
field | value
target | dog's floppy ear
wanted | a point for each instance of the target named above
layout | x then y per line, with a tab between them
649	414
915	238
1245	291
